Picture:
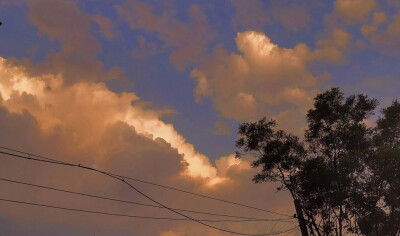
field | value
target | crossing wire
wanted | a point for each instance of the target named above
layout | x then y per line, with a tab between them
141	204
47	160
113	214
158	185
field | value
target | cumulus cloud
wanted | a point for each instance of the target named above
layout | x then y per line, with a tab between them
122	150
332	46
354	11
62	108
378	19
87	123
384	38
338	39
187	40
63	21
77	107
264	79
75	124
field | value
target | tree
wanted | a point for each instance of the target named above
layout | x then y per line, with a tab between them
338	141
324	172
280	155
382	215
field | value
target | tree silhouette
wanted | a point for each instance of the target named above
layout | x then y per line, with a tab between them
344	176
381	215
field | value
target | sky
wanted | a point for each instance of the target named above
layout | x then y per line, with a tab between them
157	89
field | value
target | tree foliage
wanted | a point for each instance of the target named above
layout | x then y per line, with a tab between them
345	175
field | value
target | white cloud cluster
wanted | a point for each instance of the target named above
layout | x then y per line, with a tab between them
264	79
78	107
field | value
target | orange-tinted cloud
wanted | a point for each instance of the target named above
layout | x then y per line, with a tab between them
354	11
106	26
61	108
146	48
188	40
87	123
333	46
264	79
384	38
77	107
62	20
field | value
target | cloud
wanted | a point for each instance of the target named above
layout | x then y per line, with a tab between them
187	40
331	47
239	190
63	109
118	149
338	39
378	19
63	21
264	79
146	48
106	26
87	123
354	11
385	40
77	124
77	107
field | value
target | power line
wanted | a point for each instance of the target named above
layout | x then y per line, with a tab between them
134	188
160	185
293	230
113	214
138	203
205	196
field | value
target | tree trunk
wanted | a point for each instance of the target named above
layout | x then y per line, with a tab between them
300	217
340	221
